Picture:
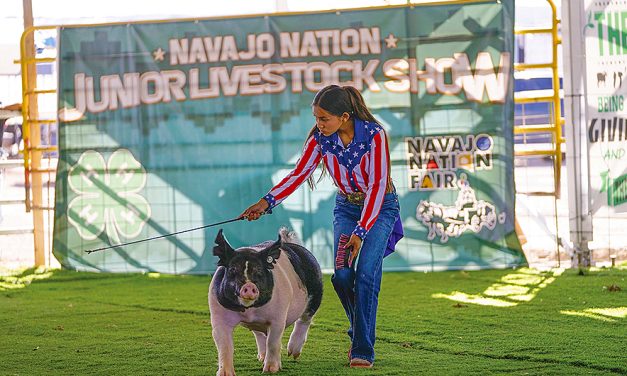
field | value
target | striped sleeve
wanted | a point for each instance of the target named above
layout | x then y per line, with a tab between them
305	166
377	184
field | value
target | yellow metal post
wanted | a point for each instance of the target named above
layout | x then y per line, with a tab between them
32	134
557	110
555	124
548	96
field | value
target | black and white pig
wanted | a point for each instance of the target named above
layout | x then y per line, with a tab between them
265	288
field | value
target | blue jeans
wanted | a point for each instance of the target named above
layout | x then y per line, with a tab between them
358	289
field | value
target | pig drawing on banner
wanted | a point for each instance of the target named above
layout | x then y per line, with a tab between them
468	214
265	288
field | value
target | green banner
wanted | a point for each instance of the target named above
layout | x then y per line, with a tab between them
167	126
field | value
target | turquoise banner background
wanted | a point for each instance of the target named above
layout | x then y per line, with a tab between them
166	126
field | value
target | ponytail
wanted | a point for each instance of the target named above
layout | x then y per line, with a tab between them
361	111
310	180
358	104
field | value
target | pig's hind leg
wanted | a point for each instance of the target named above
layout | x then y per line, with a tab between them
261	339
298	336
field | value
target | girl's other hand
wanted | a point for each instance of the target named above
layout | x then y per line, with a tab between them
255	211
354	244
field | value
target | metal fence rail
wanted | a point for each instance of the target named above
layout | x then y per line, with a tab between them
551	96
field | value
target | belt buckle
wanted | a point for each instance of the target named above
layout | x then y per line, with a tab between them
356	198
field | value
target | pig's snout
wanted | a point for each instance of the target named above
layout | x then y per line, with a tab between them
248	293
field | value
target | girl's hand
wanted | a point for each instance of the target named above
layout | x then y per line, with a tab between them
255	211
354	244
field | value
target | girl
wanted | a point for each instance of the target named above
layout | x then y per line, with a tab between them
354	149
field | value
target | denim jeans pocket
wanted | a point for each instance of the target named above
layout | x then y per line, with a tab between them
391	202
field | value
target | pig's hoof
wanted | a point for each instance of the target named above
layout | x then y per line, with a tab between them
225	372
295	346
261	357
272	367
298	338
295	354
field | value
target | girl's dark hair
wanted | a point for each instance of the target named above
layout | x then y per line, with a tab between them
340	99
337	100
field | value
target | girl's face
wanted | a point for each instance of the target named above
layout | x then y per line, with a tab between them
328	123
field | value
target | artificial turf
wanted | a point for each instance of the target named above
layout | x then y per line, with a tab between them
514	322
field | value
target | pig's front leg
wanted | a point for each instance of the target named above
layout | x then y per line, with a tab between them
223	337
272	363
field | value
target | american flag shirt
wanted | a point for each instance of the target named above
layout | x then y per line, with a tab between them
361	166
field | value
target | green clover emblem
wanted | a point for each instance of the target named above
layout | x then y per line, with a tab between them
108	198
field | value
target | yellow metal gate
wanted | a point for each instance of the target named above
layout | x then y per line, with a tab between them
38	160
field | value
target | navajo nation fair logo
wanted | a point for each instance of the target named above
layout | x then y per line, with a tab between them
433	162
443	163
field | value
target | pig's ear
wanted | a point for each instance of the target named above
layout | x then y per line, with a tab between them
223	249
271	254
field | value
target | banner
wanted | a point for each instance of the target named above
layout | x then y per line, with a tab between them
606	69
166	126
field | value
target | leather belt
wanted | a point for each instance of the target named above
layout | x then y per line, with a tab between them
358	198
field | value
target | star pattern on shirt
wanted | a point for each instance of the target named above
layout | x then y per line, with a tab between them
351	155
354	162
360	231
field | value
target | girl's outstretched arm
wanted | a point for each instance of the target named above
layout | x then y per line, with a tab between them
305	166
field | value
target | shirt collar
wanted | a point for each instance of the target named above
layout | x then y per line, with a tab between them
361	133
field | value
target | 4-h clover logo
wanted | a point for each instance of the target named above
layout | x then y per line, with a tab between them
108	199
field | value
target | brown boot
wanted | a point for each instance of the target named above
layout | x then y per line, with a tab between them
360	363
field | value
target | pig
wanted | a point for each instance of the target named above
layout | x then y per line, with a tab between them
265	288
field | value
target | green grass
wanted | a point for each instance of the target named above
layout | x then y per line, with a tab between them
126	324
